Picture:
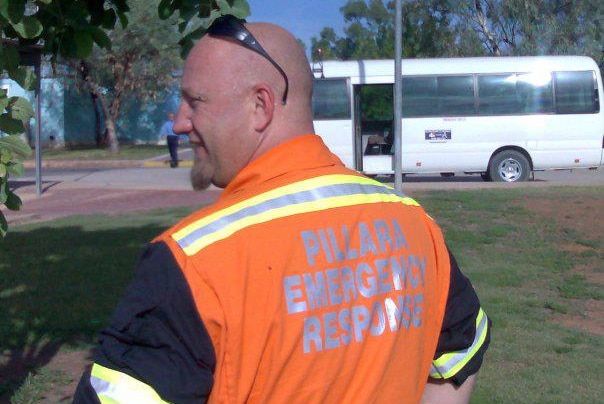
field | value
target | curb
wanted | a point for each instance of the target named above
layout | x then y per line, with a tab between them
160	164
83	164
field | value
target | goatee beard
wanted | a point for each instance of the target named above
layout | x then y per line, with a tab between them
201	175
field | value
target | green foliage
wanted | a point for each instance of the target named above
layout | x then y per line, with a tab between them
196	16
65	27
428	31
368	34
12	150
379	103
139	61
445	28
71	29
518	27
15	112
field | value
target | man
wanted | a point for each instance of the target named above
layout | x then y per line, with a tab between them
167	132
305	282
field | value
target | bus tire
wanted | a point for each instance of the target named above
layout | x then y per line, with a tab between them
509	166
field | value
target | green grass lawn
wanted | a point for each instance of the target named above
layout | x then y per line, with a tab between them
59	282
525	281
126	152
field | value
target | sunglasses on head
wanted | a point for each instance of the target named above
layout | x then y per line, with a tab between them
232	27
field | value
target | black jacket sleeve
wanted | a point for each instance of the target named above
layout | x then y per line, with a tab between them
459	329
156	335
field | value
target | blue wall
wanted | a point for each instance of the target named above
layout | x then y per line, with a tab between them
67	115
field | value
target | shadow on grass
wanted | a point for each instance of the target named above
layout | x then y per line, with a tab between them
59	286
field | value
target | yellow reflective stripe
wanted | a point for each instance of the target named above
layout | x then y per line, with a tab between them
287	189
314	206
449	364
113	387
263	208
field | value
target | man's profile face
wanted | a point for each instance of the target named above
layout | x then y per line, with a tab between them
213	114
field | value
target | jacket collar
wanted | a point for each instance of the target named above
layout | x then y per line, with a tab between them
300	153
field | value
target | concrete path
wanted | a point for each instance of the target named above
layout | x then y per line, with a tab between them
111	187
104	187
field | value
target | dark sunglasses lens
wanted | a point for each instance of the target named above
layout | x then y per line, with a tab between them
232	27
225	26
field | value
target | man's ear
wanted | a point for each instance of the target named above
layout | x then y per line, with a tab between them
264	106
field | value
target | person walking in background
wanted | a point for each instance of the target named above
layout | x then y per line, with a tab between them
172	139
305	282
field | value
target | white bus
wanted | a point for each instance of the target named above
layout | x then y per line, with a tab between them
500	117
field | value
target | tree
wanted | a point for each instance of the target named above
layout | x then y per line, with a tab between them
324	47
70	29
541	27
195	16
442	28
428	31
139	64
370	29
143	56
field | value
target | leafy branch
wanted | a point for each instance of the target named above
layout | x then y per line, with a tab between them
70	29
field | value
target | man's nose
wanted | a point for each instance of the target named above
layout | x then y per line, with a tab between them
182	124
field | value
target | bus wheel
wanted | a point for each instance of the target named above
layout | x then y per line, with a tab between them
509	166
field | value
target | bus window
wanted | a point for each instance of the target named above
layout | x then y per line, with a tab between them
331	99
512	94
535	90
456	95
497	95
419	97
575	93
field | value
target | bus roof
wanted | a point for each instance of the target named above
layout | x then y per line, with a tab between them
412	67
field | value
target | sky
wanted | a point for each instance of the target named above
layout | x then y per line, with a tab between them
303	18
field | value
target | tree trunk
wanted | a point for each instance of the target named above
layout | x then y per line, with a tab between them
114	147
109	120
116	102
482	20
99	134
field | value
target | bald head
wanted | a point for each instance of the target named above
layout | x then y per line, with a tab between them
231	99
243	68
287	52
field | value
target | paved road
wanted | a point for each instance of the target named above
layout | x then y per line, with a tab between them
67	192
159	178
162	178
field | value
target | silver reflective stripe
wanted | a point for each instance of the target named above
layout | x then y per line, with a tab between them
99	385
283	202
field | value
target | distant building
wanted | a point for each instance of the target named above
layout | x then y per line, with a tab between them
68	116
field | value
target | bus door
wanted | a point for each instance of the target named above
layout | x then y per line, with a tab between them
374	127
358	138
331	103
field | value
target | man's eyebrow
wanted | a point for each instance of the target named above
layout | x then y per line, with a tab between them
188	94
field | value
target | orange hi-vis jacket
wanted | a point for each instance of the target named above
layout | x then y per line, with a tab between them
315	284
305	282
